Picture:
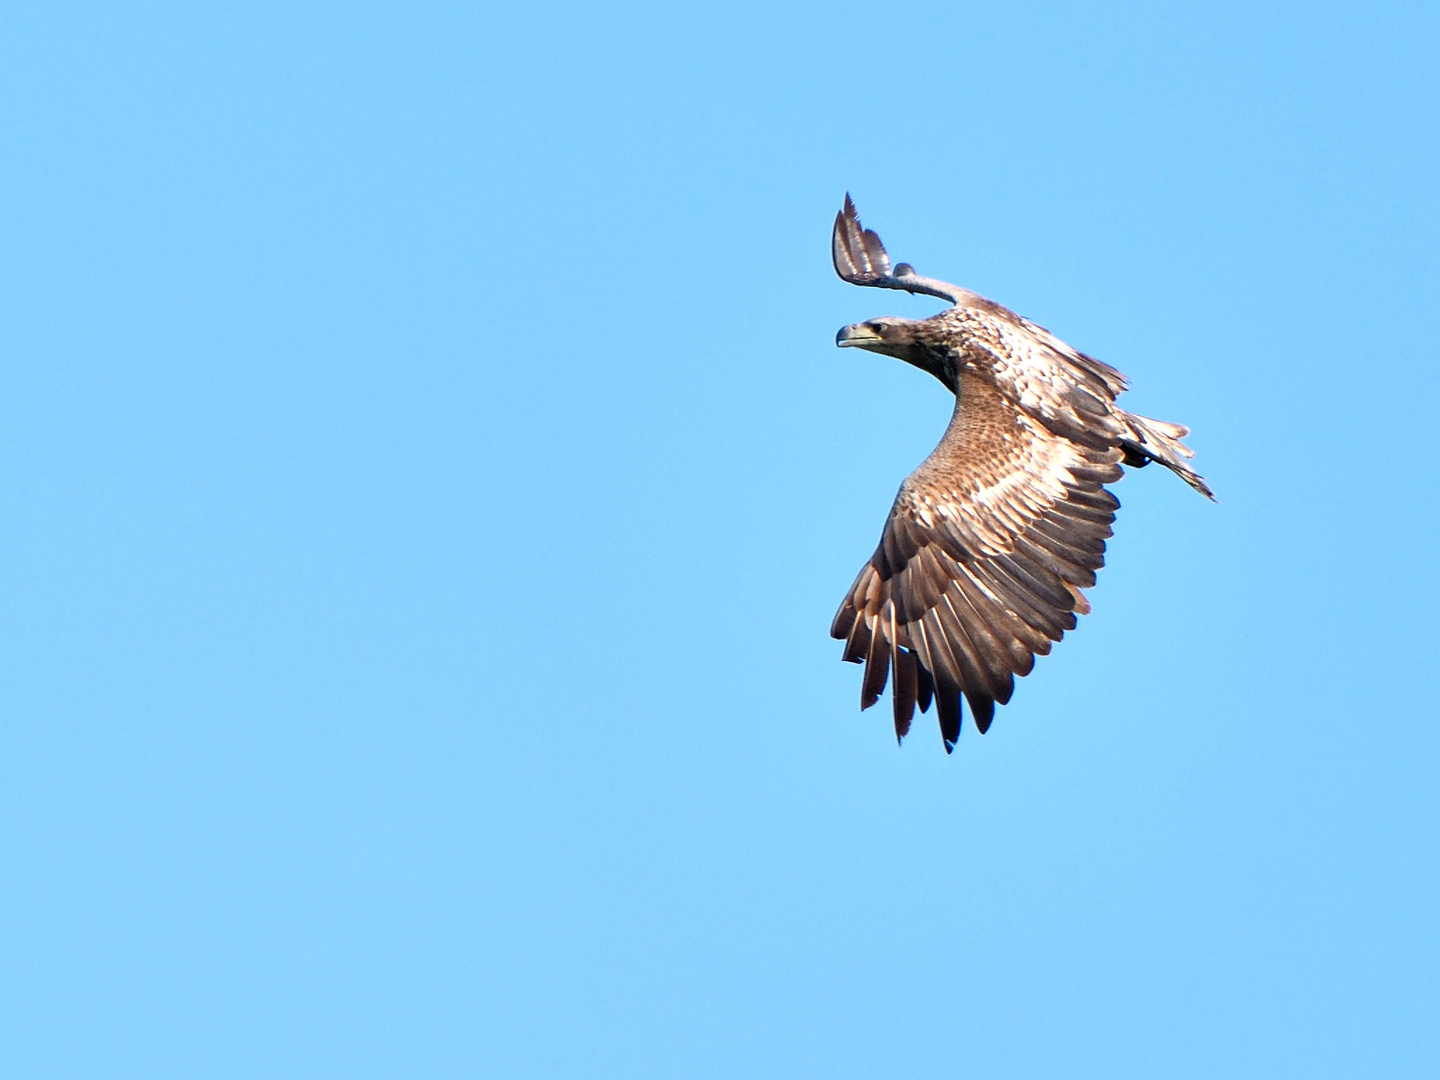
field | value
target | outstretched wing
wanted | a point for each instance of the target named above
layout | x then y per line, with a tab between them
981	562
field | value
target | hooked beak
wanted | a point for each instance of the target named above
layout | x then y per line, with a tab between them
857	335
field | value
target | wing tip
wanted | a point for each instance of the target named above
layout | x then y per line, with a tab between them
857	253
982	711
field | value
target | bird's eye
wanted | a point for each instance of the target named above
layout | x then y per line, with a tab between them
878	327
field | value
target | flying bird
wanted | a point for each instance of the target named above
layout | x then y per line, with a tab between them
990	541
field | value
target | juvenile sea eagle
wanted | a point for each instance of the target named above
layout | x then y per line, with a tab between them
991	539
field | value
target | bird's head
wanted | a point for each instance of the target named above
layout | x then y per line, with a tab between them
904	339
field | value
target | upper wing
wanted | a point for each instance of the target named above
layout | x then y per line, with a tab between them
860	258
981	562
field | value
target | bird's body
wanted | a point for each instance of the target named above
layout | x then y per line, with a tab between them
991	539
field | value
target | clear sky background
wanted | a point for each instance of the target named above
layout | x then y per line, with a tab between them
427	477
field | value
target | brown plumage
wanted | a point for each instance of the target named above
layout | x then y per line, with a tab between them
981	563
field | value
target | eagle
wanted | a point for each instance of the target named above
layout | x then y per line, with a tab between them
990	541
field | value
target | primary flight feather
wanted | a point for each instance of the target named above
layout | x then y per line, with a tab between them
991	539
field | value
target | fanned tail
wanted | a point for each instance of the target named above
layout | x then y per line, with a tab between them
1155	440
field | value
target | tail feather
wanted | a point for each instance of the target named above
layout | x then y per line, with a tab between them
1155	440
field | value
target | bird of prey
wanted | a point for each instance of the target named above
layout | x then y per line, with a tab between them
991	539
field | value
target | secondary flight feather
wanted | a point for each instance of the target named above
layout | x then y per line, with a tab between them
990	541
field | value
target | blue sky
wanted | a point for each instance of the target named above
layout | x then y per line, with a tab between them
427	477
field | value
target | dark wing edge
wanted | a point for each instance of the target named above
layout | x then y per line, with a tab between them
952	617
